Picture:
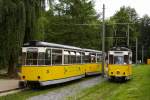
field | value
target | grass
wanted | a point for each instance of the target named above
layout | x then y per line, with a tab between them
138	88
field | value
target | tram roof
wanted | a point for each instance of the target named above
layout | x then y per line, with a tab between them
46	44
120	49
91	50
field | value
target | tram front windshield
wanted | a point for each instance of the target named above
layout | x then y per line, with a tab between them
118	60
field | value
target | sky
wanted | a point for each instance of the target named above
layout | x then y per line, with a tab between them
142	7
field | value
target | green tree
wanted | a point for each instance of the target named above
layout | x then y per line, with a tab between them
11	32
144	37
34	10
125	15
67	26
20	21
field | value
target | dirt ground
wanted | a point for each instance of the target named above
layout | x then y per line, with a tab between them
8	84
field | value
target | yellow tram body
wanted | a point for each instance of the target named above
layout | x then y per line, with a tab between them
119	70
148	61
83	62
58	72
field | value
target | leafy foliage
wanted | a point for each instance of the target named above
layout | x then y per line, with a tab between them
144	37
69	24
125	15
18	19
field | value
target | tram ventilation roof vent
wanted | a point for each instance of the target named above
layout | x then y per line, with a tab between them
120	49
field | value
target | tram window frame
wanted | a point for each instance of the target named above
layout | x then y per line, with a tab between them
66	56
66	59
57	54
121	60
31	61
72	57
41	58
111	59
48	57
82	57
78	57
23	58
99	58
130	57
126	60
87	57
93	59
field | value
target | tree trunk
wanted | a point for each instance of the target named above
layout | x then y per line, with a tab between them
12	68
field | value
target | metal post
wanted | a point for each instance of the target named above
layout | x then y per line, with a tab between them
103	41
136	50
128	36
142	54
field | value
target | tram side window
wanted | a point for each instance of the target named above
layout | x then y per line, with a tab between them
66	57
87	58
78	57
48	57
23	58
130	60
126	59
82	57
99	57
32	58
41	58
111	59
93	58
56	56
73	57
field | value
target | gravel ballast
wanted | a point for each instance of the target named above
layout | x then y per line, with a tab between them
62	92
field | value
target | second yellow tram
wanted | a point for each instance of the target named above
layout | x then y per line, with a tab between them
119	63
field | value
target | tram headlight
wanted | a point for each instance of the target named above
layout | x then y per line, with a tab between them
124	73
38	77
23	77
118	72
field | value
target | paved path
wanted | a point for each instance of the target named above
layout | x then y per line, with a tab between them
62	92
8	84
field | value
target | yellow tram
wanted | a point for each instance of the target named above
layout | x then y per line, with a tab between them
119	63
46	63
